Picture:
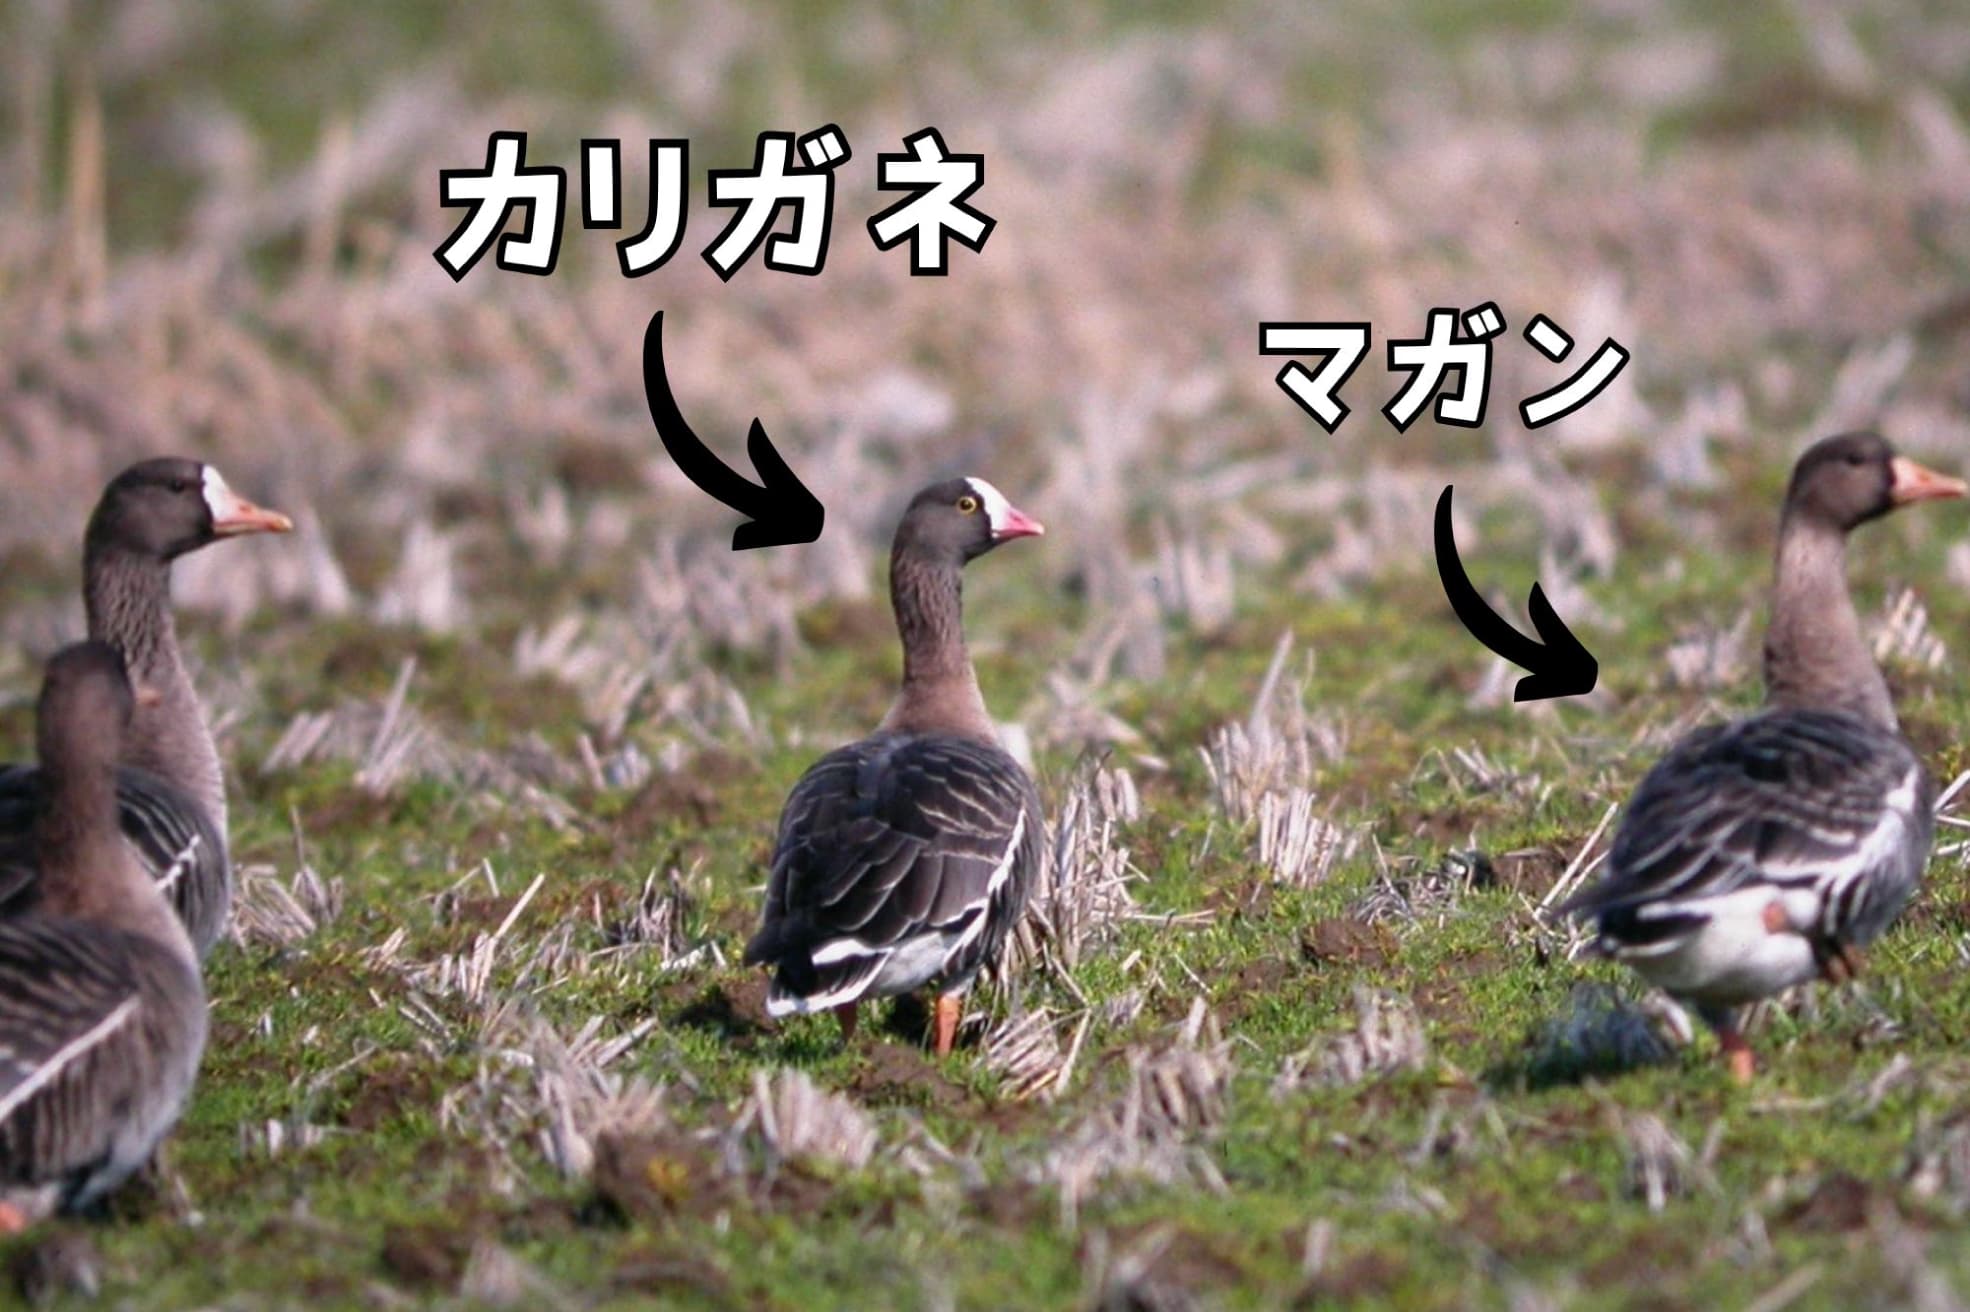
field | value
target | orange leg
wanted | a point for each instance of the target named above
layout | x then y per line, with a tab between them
1850	960
12	1219
1737	1053
845	1013
947	1011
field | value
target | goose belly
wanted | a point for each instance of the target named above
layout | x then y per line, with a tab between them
1732	955
917	961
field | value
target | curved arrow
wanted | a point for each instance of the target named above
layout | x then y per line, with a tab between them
781	512
1558	667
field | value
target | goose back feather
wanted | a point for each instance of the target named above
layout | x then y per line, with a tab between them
94	1068
902	860
1821	813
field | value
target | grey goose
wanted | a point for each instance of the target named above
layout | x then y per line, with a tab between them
172	789
904	859
1763	853
102	1013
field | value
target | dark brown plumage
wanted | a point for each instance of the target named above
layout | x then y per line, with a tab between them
905	859
102	1012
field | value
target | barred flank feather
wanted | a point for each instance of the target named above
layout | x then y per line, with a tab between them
174	840
1815	801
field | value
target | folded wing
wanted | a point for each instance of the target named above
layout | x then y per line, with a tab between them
901	858
176	842
1813	805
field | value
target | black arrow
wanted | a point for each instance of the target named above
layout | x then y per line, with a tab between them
1560	666
782	512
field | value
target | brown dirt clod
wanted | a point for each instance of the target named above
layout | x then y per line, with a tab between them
1340	941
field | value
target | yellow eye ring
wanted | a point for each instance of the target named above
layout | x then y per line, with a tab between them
967	505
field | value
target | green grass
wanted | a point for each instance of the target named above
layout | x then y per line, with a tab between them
1458	1181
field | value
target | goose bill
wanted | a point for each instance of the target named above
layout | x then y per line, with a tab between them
1005	519
1012	522
1913	482
234	516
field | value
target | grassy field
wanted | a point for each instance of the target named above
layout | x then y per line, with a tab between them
509	726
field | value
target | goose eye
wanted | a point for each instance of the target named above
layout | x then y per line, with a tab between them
180	486
967	505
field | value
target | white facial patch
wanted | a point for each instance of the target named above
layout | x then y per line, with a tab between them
997	508
220	499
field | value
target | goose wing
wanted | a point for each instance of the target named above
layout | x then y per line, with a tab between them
175	840
69	1000
1815	805
900	857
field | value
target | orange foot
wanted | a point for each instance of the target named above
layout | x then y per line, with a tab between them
947	1011
1841	964
12	1219
1737	1054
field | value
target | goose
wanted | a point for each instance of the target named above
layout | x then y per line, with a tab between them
102	1012
904	859
1763	853
172	790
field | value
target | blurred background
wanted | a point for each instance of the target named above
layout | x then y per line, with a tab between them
216	226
